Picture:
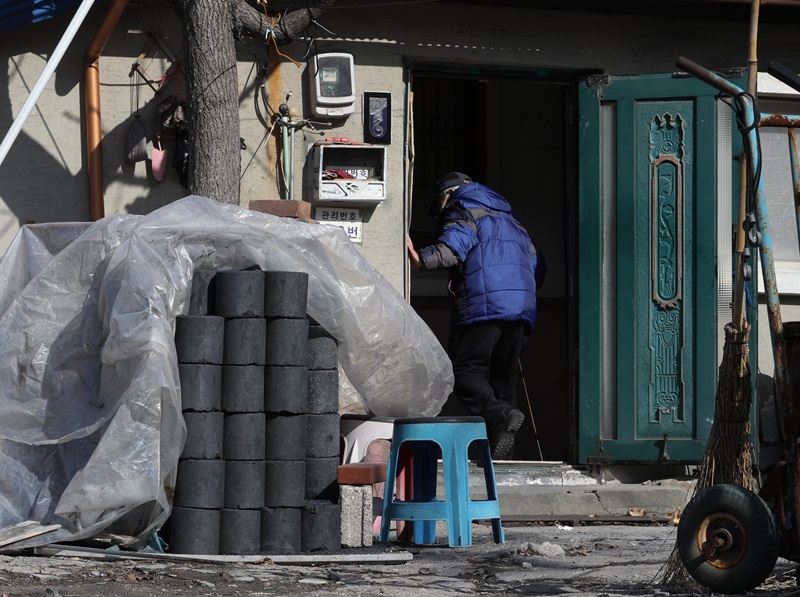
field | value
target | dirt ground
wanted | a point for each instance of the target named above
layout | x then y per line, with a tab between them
536	559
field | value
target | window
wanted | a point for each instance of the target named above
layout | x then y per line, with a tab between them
776	174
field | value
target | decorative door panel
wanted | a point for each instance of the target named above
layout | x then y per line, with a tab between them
647	269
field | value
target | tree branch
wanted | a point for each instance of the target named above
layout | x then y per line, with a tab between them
248	21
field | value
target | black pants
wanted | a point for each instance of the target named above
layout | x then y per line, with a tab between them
485	359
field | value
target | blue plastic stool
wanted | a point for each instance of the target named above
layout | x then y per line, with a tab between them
427	436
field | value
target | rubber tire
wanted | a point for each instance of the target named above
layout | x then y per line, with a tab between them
760	538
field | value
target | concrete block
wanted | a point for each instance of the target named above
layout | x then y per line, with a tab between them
244	484
239	294
199	339
205	433
194	531
285	295
322	435
323	391
242	389
285	437
243	436
320	526
285	389
201	301
286	342
321	481
322	348
240	531
200	484
285	483
245	341
280	530
201	387
356	507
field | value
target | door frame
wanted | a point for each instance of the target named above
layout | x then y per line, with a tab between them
570	79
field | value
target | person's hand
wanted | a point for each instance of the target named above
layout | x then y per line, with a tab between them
412	252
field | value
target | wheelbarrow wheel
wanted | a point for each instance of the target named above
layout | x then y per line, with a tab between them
728	539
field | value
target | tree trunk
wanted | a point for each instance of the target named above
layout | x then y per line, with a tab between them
212	98
210	28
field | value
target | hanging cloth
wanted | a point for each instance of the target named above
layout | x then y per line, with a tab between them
158	159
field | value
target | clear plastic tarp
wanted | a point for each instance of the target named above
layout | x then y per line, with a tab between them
90	408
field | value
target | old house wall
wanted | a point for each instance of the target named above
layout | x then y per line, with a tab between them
44	176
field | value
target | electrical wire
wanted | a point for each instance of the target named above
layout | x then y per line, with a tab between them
255	152
745	128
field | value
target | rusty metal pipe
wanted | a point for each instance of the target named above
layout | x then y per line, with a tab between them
94	141
794	160
94	132
779	120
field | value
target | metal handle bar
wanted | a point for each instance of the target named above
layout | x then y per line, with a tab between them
784	75
707	76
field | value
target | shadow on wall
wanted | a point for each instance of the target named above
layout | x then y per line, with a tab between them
44	176
36	182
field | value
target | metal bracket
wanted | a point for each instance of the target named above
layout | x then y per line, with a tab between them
599	459
137	65
598	80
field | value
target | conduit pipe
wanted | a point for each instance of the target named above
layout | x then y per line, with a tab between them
94	133
48	71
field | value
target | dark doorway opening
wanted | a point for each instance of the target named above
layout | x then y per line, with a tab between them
516	135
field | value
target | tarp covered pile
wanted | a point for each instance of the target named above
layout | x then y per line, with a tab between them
90	405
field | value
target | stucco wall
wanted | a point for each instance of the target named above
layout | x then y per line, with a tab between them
44	177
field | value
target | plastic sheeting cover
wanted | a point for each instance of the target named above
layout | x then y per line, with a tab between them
90	412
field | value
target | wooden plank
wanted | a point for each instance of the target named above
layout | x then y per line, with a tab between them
56	549
25	530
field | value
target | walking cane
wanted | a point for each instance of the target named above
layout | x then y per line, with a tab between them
530	408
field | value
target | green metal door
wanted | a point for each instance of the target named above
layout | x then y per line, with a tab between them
647	268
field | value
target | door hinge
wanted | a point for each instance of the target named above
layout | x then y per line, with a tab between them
664	454
599	459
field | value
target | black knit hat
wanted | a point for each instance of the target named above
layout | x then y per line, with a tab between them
451	179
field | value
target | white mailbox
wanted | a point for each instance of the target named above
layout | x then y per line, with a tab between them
348	173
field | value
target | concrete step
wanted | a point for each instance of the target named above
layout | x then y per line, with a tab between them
546	490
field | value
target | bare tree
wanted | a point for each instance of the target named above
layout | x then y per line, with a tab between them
210	31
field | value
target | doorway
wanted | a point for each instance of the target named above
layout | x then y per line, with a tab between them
515	134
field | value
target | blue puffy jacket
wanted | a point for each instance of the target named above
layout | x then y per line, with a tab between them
494	266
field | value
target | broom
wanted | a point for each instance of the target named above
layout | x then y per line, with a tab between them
728	457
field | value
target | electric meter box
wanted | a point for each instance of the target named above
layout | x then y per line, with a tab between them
348	174
333	84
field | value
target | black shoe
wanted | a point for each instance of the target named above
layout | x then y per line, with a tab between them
503	436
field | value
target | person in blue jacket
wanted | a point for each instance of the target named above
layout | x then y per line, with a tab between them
494	270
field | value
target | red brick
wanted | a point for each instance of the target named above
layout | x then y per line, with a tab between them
282	207
362	473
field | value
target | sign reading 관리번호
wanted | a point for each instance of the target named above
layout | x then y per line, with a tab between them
347	218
